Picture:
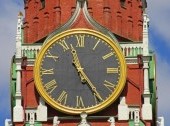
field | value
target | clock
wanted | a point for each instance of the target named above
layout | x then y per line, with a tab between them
80	70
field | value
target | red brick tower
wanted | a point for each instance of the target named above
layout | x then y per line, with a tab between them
123	21
123	17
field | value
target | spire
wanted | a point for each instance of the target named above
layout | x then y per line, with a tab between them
19	35
18	109
145	34
20	14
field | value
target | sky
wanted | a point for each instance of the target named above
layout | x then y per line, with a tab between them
159	33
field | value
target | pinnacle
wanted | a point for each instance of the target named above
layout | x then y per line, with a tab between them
20	14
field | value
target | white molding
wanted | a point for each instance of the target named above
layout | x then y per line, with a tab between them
56	122
123	110
8	122
111	120
83	121
18	109
42	108
132	110
132	60
30	51
145	35
19	35
147	111
132	49
146	107
137	117
160	121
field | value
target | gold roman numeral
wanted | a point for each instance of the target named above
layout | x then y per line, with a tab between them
79	103
109	85
96	44
49	71
80	40
63	97
50	86
49	55
112	70
64	45
108	55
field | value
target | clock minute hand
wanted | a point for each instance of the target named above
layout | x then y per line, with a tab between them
91	85
83	76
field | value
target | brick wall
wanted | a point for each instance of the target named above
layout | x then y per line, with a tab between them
122	18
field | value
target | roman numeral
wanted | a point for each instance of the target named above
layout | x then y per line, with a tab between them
79	103
63	97
50	86
49	71
64	45
49	55
80	40
109	85
108	55
112	70
96	44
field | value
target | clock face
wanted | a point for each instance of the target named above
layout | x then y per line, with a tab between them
80	70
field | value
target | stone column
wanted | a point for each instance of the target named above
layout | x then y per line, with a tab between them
146	107
18	114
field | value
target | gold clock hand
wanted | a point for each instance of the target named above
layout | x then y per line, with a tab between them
75	57
83	76
91	85
76	62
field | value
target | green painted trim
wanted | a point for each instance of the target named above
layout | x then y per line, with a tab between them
152	86
35	124
34	44
13	81
131	123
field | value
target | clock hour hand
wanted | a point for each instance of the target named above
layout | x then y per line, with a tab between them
77	64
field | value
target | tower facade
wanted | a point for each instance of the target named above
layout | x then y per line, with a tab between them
46	35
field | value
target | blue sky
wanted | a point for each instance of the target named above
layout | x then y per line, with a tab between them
159	13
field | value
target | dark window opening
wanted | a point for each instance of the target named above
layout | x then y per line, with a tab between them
122	2
42	3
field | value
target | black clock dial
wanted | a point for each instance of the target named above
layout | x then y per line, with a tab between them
80	71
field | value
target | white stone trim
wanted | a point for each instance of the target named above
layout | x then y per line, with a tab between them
42	108
30	51
145	35
160	121
8	122
30	116
19	36
36	114
111	120
132	49
132	110
56	121
137	117
18	109
123	110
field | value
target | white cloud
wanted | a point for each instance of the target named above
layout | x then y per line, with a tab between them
163	87
159	13
163	83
